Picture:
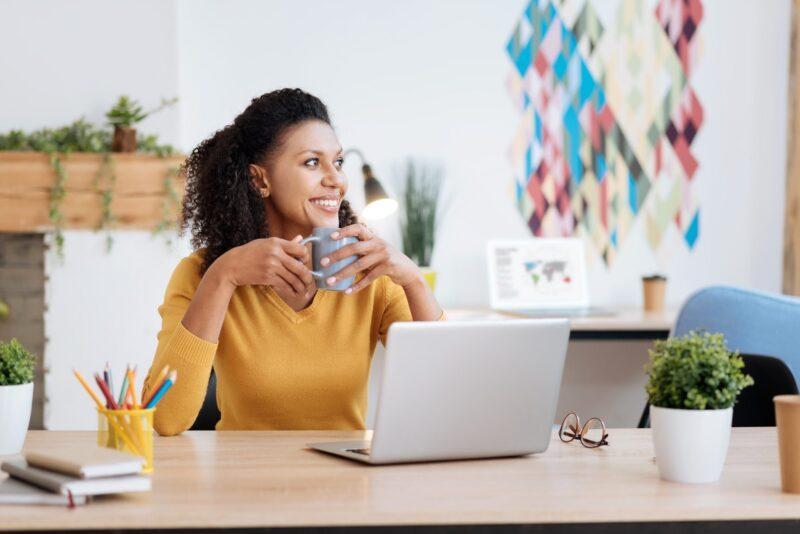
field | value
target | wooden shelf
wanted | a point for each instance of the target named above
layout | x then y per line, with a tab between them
26	179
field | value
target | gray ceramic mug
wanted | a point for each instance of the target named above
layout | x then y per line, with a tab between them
323	245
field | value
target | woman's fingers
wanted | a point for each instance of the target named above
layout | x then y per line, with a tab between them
295	249
292	279
358	248
361	264
364	282
298	269
354	230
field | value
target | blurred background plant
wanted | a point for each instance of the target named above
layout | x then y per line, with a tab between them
419	186
84	136
127	111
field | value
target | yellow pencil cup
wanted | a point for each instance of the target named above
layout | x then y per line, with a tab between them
128	430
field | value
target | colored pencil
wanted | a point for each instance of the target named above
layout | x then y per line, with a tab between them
110	379
156	385
106	392
88	389
123	392
173	376
105	379
132	388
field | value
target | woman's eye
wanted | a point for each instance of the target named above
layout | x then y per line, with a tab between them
311	163
339	163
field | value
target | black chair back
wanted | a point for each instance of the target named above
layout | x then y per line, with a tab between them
209	413
754	407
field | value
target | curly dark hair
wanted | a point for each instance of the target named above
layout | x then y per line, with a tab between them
221	204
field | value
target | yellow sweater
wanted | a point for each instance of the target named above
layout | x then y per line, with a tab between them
275	368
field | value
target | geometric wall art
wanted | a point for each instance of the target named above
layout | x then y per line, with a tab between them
607	120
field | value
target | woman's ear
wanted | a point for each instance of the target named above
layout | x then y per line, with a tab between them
258	175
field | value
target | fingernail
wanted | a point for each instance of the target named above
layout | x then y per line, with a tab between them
335	235
331	280
324	261
348	290
298	237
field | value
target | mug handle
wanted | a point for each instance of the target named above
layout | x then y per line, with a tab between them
310	239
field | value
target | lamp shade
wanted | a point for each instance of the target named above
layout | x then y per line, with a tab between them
378	203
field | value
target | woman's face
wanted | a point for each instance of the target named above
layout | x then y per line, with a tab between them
305	180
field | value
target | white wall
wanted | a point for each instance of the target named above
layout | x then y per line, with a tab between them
63	60
406	78
427	79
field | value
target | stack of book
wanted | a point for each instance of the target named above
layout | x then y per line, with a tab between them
70	476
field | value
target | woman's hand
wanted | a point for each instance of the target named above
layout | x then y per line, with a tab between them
272	261
376	258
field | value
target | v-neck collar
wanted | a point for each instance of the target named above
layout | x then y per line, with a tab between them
288	311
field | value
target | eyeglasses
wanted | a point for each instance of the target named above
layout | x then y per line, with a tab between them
592	435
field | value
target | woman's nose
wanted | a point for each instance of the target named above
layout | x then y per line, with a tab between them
333	177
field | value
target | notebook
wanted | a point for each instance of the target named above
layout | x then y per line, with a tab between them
13	491
60	483
87	462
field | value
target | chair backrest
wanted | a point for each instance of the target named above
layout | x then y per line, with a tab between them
209	413
754	322
754	407
771	377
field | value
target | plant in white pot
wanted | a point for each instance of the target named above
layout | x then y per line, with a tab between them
16	395
694	381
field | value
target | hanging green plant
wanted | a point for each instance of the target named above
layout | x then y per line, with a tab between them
83	136
56	197
108	177
170	200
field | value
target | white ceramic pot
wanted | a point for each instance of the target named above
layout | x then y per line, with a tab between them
15	416
690	445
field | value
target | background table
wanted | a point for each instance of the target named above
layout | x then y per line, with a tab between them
268	479
604	369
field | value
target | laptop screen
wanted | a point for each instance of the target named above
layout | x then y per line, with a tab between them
537	273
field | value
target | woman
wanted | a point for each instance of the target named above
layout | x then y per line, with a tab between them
286	355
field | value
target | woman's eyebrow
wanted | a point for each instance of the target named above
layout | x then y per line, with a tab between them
318	152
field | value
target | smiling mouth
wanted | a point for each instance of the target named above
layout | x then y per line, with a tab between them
326	204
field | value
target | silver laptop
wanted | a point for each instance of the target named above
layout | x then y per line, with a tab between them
540	277
464	389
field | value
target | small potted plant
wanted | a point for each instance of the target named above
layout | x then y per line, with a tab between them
123	116
16	395
694	381
420	198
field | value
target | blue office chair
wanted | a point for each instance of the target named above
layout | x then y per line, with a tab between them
753	322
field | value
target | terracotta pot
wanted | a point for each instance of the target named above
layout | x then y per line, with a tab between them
124	139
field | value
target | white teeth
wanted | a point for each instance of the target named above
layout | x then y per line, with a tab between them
330	203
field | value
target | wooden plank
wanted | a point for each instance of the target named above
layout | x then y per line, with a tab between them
791	229
26	179
240	479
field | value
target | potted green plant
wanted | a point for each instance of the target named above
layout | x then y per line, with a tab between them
16	395
420	186
694	381
124	115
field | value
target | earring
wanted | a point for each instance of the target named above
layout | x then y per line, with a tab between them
264	193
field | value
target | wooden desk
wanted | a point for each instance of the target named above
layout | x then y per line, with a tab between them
268	479
625	323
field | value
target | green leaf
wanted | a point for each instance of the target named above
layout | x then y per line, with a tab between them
696	372
16	364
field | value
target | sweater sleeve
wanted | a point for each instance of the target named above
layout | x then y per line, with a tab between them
395	307
189	355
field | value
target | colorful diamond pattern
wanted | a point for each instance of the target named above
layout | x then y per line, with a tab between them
607	120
